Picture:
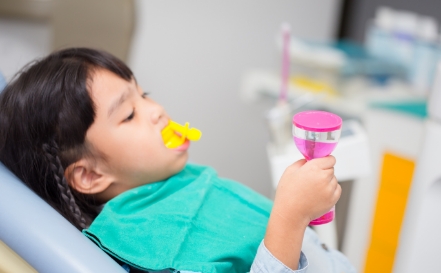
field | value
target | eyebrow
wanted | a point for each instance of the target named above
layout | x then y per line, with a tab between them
117	103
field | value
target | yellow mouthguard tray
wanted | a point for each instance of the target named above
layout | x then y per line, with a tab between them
174	134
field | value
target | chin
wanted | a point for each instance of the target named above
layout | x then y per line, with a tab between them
182	163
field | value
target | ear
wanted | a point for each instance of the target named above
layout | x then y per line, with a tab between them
86	178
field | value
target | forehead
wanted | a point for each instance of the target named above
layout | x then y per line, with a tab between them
105	83
105	87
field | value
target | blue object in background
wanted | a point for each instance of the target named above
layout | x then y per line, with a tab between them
361	62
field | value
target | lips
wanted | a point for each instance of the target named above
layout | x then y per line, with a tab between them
183	147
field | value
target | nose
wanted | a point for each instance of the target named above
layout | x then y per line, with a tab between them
157	112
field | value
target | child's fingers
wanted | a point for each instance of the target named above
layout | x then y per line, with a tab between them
337	191
326	162
328	174
298	163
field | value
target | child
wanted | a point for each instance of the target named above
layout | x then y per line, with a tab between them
80	132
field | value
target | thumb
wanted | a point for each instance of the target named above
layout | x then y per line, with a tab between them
298	163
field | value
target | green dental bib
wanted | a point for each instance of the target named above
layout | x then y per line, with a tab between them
193	221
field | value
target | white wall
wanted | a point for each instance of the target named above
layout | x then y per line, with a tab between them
21	42
191	55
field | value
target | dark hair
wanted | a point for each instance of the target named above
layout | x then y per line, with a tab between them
45	112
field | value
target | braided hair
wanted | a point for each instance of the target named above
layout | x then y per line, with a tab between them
45	112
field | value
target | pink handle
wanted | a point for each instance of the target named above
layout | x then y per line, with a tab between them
314	140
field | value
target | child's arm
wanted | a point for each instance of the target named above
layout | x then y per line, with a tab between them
306	191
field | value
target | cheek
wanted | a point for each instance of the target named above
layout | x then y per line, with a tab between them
143	147
132	147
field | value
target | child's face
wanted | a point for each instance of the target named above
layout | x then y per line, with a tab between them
127	130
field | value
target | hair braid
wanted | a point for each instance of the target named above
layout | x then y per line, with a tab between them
51	153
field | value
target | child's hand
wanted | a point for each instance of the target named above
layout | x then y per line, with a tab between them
307	190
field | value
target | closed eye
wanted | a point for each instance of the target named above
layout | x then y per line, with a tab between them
130	117
144	95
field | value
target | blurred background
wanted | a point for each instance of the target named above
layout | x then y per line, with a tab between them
218	65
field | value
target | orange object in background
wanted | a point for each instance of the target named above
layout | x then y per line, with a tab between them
395	182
